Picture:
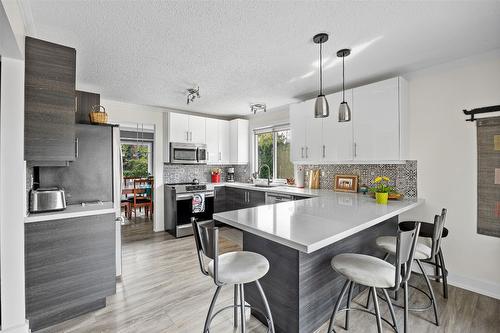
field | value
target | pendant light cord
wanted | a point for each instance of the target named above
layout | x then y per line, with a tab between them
321	68
343	79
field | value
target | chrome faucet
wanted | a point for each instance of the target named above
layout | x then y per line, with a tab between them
268	173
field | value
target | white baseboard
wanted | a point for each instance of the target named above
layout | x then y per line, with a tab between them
482	287
23	328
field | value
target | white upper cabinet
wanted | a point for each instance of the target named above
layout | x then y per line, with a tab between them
197	129
186	128
299	115
224	138
377	131
212	139
178	127
238	141
376	119
337	137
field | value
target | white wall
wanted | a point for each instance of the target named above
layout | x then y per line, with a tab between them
120	112
445	147
12	169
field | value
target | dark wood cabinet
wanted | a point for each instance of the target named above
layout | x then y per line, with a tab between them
49	121
242	198
70	267
84	103
220	199
256	198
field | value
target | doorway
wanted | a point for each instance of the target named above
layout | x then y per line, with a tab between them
137	201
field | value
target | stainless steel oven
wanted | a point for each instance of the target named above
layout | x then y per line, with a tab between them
179	206
188	153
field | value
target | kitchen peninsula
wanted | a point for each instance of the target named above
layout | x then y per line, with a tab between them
299	238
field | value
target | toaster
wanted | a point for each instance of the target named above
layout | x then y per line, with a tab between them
47	199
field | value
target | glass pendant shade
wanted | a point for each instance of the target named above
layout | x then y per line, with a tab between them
321	108
344	112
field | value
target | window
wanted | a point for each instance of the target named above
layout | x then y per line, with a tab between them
137	159
272	148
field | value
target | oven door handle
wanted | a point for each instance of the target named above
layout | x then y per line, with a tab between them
190	195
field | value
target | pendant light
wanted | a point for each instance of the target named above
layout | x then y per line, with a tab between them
344	110
321	108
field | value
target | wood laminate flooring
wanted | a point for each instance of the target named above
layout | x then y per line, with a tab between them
163	290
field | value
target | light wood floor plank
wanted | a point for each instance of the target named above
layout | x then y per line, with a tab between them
163	290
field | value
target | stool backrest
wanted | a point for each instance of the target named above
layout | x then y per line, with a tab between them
437	233
206	237
406	243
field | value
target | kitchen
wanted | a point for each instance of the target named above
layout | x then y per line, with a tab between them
141	160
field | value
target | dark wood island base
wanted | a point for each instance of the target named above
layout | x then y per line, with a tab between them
302	288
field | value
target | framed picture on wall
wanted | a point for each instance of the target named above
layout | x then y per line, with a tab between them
346	183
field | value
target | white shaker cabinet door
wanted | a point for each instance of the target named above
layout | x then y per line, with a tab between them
212	139
197	129
314	140
178	127
376	121
224	146
298	125
337	136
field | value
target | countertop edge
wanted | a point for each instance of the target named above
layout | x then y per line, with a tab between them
66	215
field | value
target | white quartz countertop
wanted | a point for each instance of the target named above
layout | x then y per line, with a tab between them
284	189
310	224
71	211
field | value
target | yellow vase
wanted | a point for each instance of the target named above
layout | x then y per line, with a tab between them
382	198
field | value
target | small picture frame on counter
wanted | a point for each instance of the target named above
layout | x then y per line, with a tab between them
346	183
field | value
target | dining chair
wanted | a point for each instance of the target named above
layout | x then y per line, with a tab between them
141	198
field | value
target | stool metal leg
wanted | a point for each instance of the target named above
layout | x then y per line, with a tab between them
370	290
235	309
211	309
444	272
433	298
242	308
337	305
405	293
349	297
266	305
377	310
368	298
391	310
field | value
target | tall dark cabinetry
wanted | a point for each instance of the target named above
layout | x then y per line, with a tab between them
49	120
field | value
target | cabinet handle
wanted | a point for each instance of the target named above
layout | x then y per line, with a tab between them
355	149
187	135
302	152
76	103
208	156
76	148
324	151
190	136
307	152
220	156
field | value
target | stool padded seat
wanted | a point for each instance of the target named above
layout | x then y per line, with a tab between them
240	267
426	228
422	252
366	270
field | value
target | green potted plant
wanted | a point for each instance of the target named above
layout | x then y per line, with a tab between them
381	189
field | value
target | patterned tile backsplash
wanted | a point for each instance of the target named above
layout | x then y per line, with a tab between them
403	176
177	173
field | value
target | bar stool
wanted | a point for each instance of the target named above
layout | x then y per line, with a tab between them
425	250
376	274
426	230
233	268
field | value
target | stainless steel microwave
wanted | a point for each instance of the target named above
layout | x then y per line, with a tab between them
188	153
